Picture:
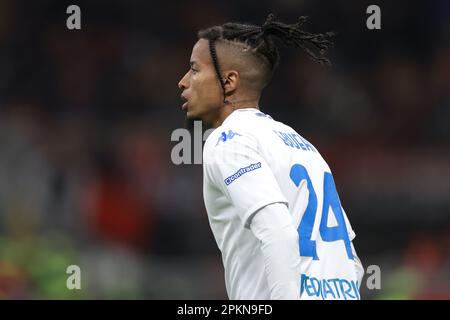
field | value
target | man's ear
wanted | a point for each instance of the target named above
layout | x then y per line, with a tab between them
231	81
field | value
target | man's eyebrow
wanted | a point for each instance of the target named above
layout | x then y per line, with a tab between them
192	63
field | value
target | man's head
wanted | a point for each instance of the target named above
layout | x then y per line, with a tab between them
243	73
232	63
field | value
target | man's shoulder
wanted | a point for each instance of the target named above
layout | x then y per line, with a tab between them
250	122
230	129
227	134
245	126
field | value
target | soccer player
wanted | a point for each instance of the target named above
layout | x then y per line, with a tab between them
270	196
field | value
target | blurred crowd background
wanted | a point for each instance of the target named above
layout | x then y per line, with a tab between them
86	117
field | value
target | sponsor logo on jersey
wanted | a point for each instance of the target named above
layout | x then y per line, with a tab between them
242	171
336	288
227	136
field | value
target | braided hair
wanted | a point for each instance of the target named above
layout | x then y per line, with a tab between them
261	40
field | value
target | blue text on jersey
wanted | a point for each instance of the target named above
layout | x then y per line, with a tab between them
241	171
329	288
307	246
294	140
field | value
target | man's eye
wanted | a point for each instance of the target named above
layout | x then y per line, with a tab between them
194	70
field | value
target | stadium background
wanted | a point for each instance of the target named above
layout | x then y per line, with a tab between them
86	116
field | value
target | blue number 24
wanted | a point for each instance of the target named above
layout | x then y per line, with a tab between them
330	199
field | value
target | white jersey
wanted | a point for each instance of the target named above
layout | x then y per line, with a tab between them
251	161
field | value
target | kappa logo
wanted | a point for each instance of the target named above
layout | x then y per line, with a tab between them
227	136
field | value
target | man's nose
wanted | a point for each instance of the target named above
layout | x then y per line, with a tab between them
183	82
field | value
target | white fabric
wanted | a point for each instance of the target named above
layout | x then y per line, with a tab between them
247	164
273	226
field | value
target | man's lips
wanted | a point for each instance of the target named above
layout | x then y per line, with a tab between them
185	104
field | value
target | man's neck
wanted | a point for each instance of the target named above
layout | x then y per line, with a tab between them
228	109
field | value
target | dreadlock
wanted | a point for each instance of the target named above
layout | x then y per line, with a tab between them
261	40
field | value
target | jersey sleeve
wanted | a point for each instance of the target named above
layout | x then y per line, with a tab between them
237	168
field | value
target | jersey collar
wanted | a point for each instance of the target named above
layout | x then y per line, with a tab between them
238	111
